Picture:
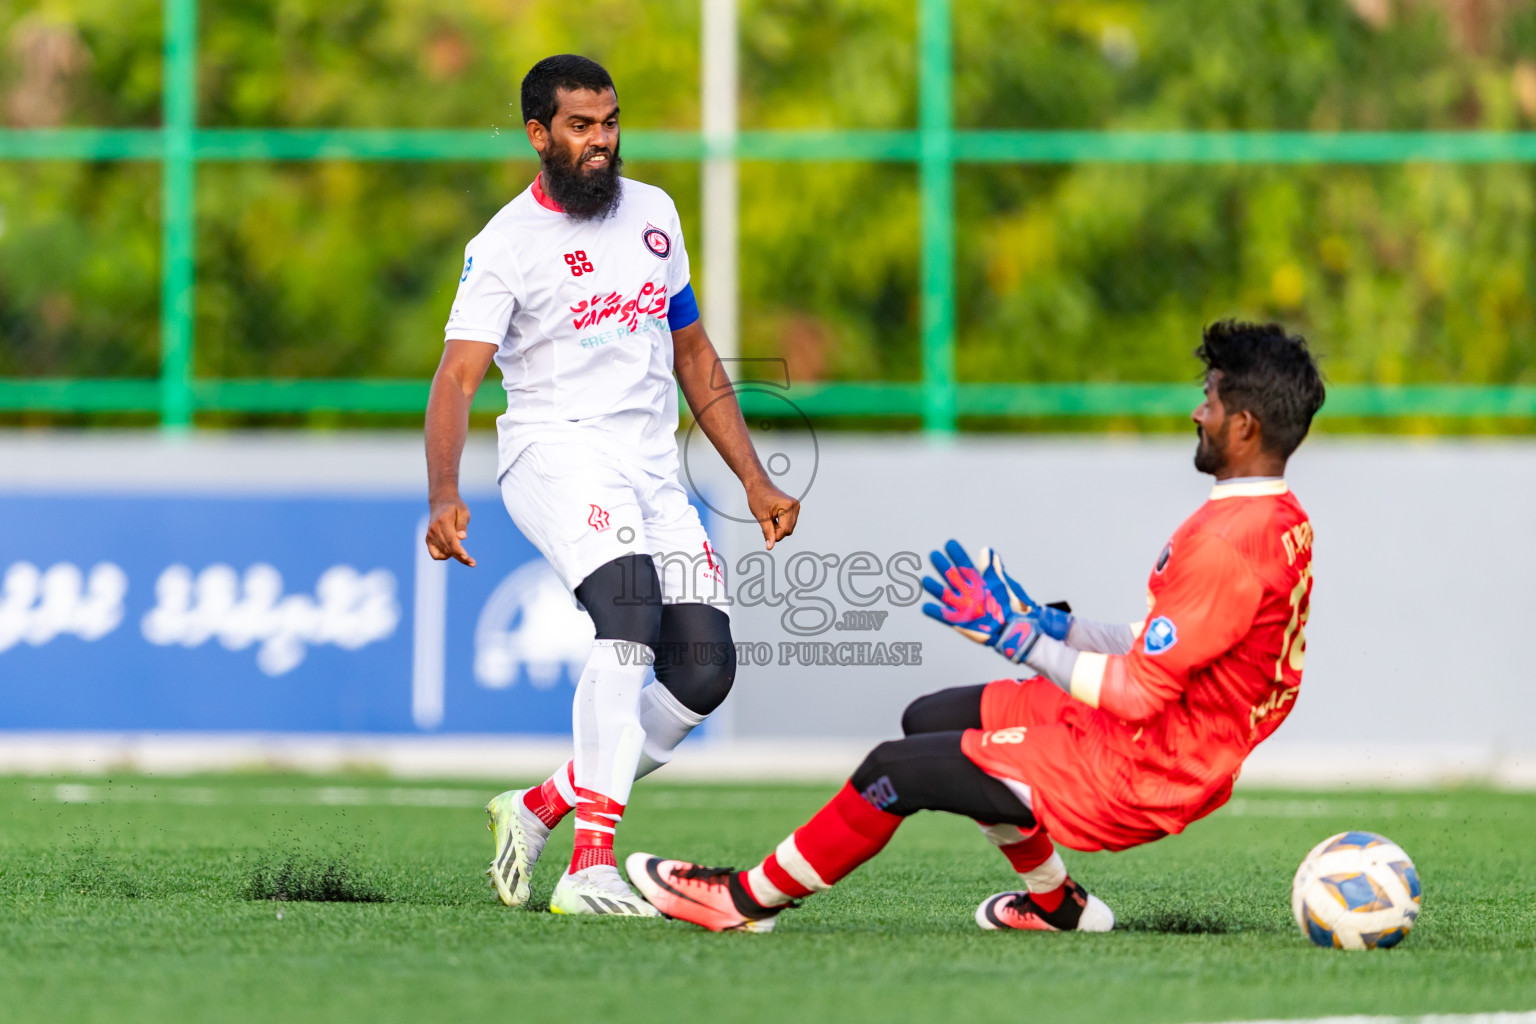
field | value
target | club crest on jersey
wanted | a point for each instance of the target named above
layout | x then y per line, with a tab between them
1161	634
657	242
1162	559
598	519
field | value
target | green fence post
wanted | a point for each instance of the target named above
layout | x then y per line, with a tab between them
178	182
936	184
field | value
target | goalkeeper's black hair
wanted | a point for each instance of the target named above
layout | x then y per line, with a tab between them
568	71
1269	373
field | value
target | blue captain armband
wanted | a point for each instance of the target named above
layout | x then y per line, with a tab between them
684	310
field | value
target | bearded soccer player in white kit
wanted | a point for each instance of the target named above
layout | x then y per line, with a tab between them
578	288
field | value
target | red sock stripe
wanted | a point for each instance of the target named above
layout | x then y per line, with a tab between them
584	857
594	846
1029	854
590	801
1033	851
782	880
844	834
1049	901
546	802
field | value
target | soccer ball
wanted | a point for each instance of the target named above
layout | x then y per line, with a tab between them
1356	890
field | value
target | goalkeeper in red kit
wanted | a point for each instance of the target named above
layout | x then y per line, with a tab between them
1128	732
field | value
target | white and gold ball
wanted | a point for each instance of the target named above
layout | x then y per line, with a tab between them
1356	890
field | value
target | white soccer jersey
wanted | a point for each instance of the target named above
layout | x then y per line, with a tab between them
579	313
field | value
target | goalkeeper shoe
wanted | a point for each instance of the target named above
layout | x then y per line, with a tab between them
520	838
712	898
597	890
1079	912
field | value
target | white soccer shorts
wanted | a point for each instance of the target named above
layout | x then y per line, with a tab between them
583	508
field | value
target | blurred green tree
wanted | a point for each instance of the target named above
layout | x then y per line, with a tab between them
1102	272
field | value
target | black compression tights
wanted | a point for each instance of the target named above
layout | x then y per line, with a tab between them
929	772
946	711
695	658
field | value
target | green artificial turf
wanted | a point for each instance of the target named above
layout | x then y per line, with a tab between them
151	900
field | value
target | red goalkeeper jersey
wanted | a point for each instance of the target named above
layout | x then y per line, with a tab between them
1155	740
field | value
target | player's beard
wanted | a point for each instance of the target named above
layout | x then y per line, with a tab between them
584	194
1211	451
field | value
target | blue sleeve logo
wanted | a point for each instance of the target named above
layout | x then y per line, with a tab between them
467	264
1161	634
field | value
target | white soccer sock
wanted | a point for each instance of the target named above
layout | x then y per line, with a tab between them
764	891
605	721
562	781
1048	877
1002	835
667	722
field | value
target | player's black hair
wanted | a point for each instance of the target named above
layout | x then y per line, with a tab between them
568	71
1269	373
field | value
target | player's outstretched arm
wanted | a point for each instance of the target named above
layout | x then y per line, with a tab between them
704	383
458	376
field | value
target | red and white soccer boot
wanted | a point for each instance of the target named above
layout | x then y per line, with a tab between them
1079	911
712	898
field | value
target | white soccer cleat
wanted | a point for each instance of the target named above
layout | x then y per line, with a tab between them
1080	911
520	838
598	890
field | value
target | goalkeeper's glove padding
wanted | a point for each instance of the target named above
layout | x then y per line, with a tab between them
988	606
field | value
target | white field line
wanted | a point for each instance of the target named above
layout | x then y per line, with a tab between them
315	796
1252	807
475	758
722	799
710	798
1528	1017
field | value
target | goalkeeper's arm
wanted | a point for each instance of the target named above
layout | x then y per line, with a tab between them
1097	679
1102	637
1213	596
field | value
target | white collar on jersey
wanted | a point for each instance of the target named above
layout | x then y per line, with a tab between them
1249	487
